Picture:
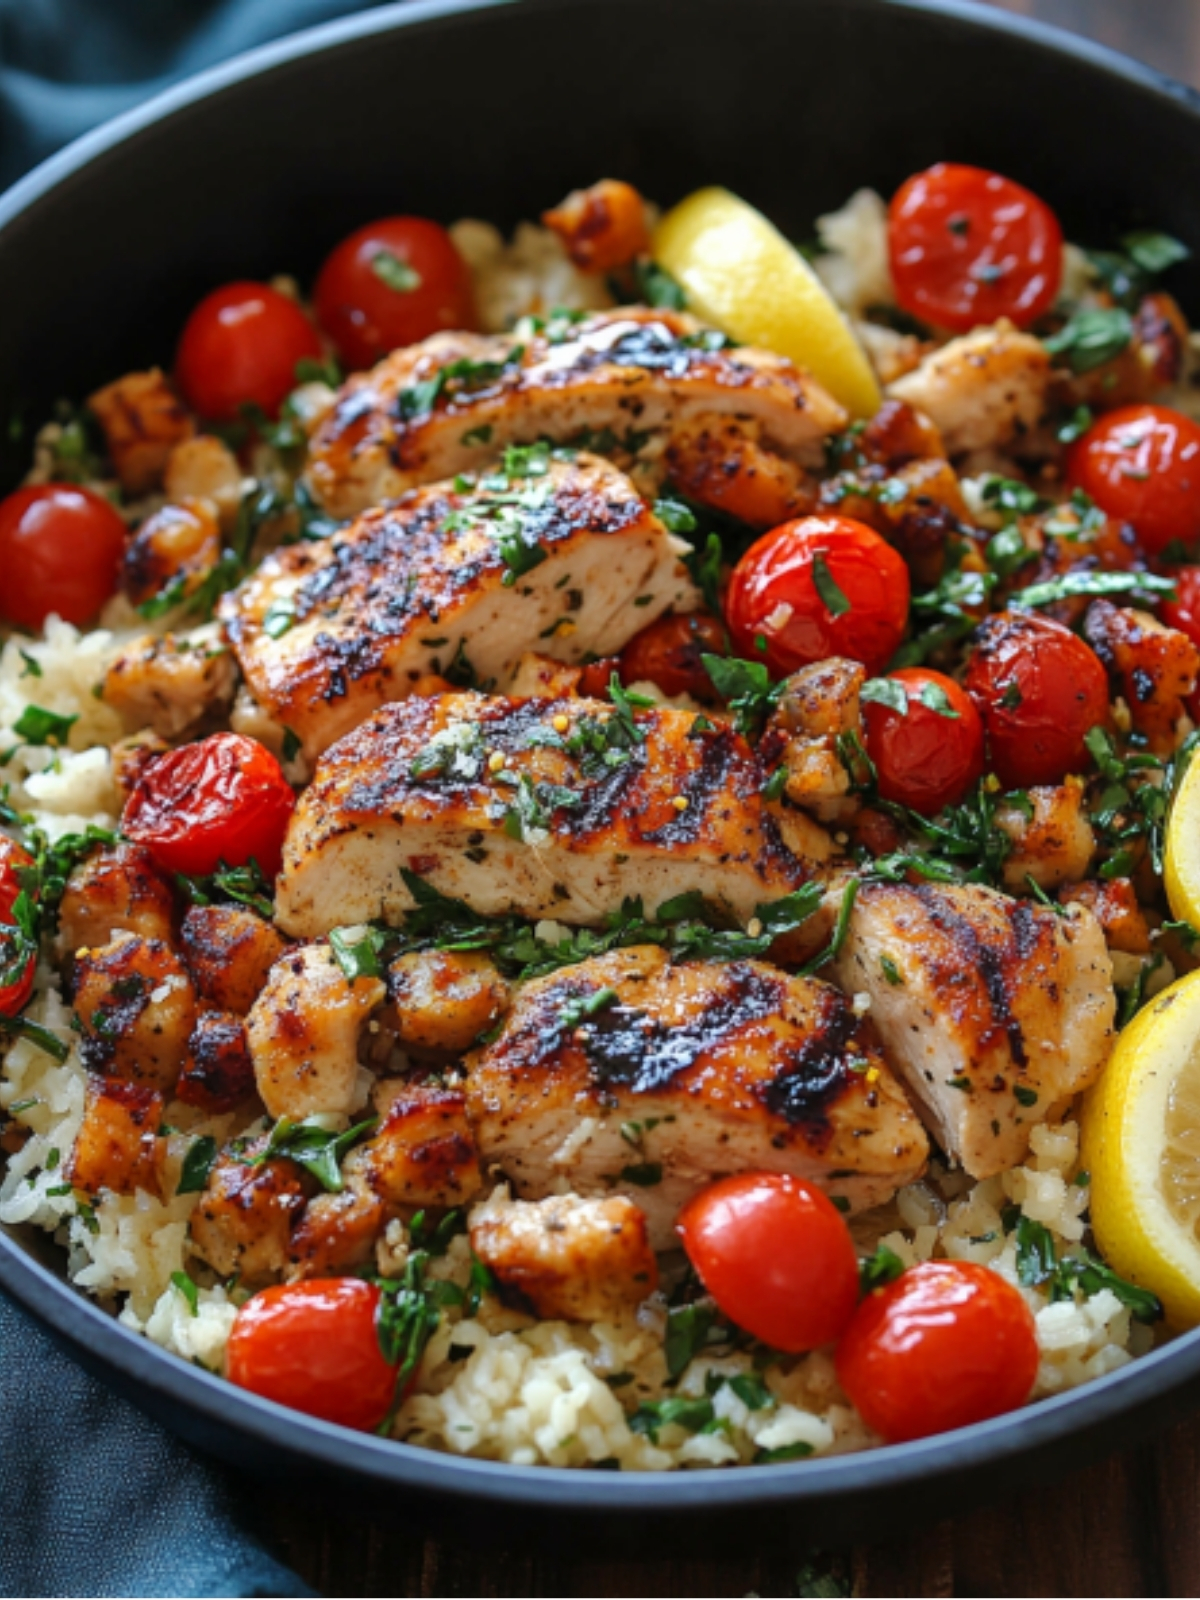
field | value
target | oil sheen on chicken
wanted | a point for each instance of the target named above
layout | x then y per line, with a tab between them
548	808
453	580
447	405
632	1074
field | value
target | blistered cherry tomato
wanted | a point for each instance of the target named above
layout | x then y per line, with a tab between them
968	246
1142	464
947	1344
224	799
240	347
776	1256
1184	611
668	653
390	284
929	755
1039	690
16	992
818	587
60	551
314	1346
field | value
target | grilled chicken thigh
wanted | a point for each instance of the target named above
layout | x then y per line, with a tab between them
549	808
445	406
454	577
991	1009
632	1074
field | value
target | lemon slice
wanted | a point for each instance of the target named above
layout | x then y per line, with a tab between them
1141	1143
1182	862
742	275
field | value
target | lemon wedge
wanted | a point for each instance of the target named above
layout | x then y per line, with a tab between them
1181	866
742	275
1140	1141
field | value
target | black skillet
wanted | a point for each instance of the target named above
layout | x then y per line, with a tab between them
495	110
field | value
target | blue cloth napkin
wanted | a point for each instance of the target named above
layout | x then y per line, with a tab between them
95	1498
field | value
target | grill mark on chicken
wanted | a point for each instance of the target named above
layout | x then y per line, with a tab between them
327	632
632	368
991	962
819	1067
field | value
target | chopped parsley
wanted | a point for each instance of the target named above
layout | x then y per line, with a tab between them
655	286
746	688
884	1267
197	1164
1090	338
458	379
38	726
834	599
360	957
247	885
188	1289
312	1147
398	275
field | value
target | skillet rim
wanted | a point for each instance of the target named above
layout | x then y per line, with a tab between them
168	1381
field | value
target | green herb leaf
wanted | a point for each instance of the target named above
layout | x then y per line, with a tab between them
38	726
645	1174
687	1334
279	617
886	692
834	599
935	698
197	1164
313	1147
358	958
32	667
1076	425
751	1391
841	928
884	1267
46	1041
746	688
577	1011
675	516
792	1452
657	288
1091	338
1153	251
398	275
1036	1256
681	1411
188	1290
1094	583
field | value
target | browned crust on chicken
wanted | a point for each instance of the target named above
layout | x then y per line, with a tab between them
581	1260
721	1068
116	1147
218	1073
629	370
118	890
419	587
1152	666
444	999
423	1153
1114	905
229	951
136	1008
684	811
143	419
243	1221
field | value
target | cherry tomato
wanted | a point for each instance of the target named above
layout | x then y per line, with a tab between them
314	1346
390	284
928	756
947	1344
1142	464
776	1256
668	653
224	799
818	587
15	993
60	551
1039	689
1184	611
240	347
968	246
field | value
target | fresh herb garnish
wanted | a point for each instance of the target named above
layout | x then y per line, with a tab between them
197	1164
884	1267
834	599
312	1147
1071	584
746	688
358	957
680	1411
38	726
247	885
188	1289
656	287
398	275
1092	337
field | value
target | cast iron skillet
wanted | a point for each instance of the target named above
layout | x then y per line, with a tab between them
452	109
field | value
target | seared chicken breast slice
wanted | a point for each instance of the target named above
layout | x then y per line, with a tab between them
445	406
629	1074
992	1010
547	808
457	578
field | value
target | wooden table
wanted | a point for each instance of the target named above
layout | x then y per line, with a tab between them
1127	1526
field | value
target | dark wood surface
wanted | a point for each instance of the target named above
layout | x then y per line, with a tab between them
1129	1525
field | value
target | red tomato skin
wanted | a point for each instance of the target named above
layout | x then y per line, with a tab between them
365	317
13	996
314	1347
925	760
1184	611
948	1344
61	548
775	1254
240	347
1142	465
668	653
1063	693
951	227
777	573
223	799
